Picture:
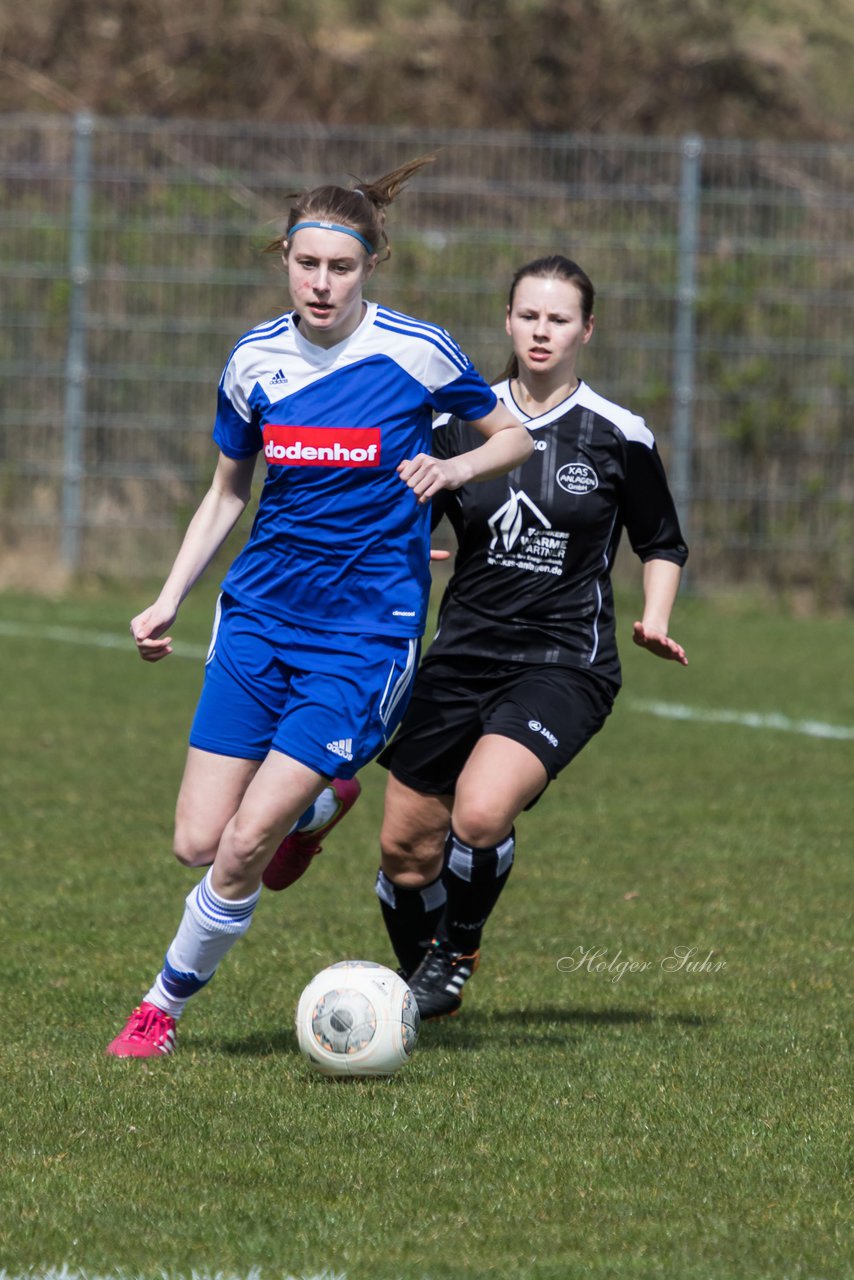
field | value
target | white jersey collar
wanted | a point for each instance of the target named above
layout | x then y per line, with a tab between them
321	357
502	390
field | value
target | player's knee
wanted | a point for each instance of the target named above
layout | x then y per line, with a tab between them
411	876
398	855
191	850
244	841
477	824
411	860
196	837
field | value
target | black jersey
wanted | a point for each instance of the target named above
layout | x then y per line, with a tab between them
532	578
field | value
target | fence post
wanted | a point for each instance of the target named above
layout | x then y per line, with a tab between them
684	340
74	413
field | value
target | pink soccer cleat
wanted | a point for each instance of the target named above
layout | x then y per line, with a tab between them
149	1033
296	851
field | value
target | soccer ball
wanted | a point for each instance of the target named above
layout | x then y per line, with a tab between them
357	1018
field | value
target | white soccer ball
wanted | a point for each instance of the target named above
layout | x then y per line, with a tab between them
357	1018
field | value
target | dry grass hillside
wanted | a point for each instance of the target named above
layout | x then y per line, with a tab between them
760	69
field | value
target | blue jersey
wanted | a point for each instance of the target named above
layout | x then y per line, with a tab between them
339	542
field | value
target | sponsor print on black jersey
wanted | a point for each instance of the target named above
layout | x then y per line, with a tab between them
523	538
577	477
558	519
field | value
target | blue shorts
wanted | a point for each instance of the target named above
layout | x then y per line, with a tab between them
329	700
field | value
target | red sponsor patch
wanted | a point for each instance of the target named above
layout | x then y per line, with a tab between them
286	446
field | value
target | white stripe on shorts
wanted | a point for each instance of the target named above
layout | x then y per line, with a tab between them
391	697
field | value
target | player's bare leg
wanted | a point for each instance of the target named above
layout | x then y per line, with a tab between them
279	792
219	909
212	789
409	883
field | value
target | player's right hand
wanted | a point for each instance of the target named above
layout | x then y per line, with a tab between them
427	475
147	629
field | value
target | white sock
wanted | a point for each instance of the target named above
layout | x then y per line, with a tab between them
208	930
322	811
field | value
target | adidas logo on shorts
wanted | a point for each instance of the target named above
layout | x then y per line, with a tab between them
342	747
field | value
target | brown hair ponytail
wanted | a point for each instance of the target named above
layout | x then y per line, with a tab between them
360	208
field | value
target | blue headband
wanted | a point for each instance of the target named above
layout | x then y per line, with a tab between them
334	226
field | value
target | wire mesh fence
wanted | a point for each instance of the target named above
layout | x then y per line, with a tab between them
131	260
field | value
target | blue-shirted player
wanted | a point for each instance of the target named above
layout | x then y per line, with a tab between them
317	631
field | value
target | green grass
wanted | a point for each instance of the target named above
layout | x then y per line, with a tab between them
570	1124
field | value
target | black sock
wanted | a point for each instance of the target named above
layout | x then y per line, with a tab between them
473	879
411	917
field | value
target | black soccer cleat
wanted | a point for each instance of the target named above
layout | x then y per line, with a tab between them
438	982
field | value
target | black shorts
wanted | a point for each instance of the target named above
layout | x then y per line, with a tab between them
553	711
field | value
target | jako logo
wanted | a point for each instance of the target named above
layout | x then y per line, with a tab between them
286	446
577	477
536	727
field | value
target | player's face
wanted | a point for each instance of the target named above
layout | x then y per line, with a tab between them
547	325
326	272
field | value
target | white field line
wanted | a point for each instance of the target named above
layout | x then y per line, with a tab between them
68	1273
93	640
744	719
668	710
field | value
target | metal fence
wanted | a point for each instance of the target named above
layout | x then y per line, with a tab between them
131	261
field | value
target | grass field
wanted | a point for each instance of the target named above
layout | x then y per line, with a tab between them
580	1119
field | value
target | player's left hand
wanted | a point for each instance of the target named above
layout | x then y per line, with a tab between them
426	475
658	643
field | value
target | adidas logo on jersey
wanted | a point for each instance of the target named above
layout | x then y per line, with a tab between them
342	747
278	379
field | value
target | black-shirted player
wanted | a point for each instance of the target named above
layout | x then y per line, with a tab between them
523	670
